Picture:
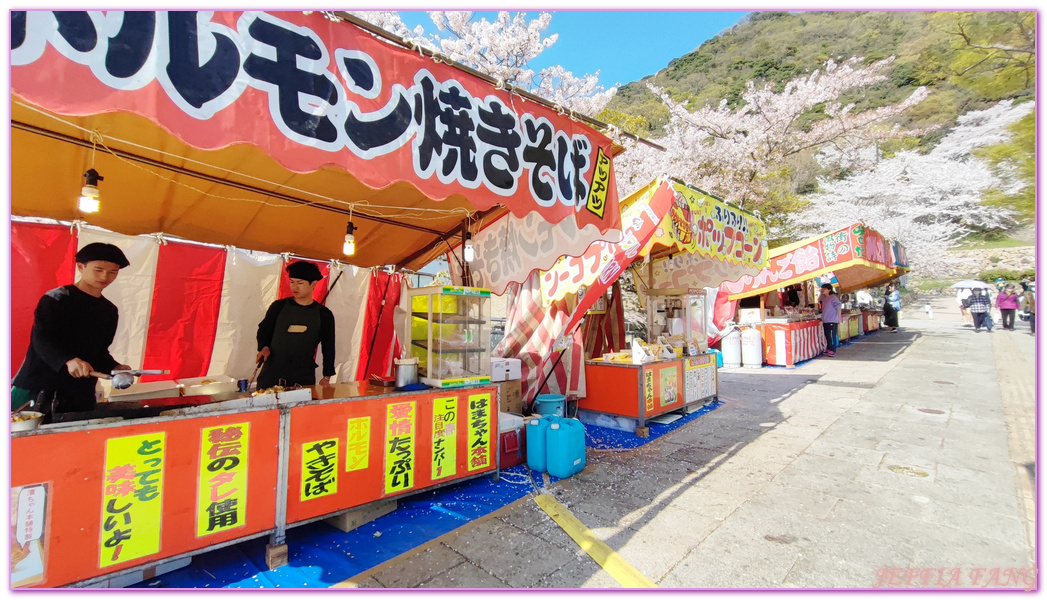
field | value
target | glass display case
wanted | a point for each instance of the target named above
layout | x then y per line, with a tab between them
678	315
449	331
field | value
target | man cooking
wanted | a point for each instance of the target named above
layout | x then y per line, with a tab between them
292	329
73	327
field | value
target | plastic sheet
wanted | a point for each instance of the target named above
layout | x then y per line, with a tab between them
320	555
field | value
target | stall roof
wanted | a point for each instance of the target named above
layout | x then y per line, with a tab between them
712	241
857	255
243	157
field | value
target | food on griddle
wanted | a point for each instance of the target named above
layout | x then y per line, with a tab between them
276	389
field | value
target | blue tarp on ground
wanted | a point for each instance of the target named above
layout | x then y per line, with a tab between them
320	555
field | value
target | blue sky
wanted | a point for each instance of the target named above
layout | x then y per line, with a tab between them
624	45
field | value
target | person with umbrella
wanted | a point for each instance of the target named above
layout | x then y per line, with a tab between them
980	306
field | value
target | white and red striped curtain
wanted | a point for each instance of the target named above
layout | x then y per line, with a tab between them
531	333
195	309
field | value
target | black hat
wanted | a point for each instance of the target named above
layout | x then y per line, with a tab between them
304	270
100	251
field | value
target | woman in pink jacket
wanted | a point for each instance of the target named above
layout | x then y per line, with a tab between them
1007	302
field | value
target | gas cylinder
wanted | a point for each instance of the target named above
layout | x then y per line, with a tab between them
731	347
752	348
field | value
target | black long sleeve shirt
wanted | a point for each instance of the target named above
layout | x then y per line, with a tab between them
68	323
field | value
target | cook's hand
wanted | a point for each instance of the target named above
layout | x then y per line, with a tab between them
326	381
79	367
263	354
122	368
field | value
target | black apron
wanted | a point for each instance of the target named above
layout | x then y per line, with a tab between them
292	353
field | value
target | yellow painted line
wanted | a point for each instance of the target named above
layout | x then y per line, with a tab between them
608	559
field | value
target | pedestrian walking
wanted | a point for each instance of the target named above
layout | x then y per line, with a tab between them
1029	306
980	306
1007	302
890	308
830	304
962	298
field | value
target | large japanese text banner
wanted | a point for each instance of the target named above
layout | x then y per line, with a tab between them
117	497
855	244
311	92
352	452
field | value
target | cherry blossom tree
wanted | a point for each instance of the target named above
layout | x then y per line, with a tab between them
502	49
926	201
742	154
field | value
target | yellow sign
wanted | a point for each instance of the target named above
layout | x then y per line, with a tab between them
648	389
399	447
222	488
479	431
358	444
132	498
319	469
601	180
445	437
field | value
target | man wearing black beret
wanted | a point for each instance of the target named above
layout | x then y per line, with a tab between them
73	327
291	330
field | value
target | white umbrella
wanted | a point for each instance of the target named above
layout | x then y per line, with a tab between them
971	284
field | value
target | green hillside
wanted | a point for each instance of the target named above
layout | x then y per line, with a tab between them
967	61
778	46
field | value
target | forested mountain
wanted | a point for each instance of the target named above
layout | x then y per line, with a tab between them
778	46
972	67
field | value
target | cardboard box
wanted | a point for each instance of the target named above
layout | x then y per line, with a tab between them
510	397
505	369
751	315
351	519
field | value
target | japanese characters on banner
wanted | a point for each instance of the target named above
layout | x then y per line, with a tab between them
222	501
512	247
445	437
399	447
311	92
699	224
855	242
479	431
132	498
319	468
648	390
28	539
358	444
602	263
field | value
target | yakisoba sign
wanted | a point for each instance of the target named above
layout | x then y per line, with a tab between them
311	92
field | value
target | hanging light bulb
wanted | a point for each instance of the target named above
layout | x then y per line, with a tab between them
469	254
90	197
349	247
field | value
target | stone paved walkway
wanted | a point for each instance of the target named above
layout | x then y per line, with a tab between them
905	461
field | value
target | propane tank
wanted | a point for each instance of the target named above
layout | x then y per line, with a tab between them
752	348
731	348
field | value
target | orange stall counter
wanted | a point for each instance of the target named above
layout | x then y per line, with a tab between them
648	390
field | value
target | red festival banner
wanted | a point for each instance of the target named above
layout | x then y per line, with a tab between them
852	245
311	92
604	262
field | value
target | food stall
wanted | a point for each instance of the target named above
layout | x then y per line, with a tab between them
235	133
677	240
855	256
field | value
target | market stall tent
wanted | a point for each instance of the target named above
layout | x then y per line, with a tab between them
267	130
857	255
662	218
249	132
